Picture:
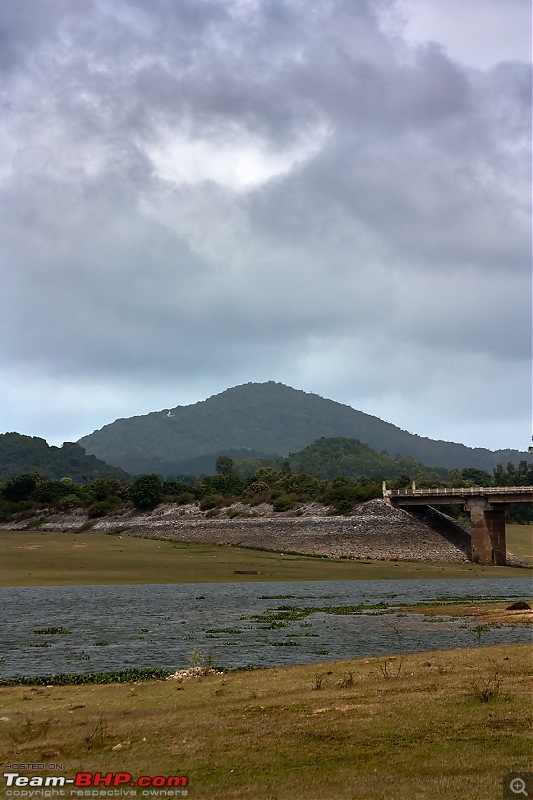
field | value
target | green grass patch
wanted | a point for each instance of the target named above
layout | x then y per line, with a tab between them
285	614
78	679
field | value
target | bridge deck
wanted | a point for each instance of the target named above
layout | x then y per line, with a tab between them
485	506
494	494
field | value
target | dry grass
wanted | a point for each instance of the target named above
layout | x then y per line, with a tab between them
492	613
37	558
447	727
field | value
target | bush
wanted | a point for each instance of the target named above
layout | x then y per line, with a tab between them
185	498
258	490
104	489
343	506
99	509
20	488
266	475
343	495
50	492
211	501
257	487
174	488
19	511
69	501
146	491
284	502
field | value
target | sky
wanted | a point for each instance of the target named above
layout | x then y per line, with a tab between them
332	194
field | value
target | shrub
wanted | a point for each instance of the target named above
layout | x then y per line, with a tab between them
104	489
257	499
211	501
175	488
69	501
284	502
99	509
257	487
146	491
343	506
185	498
51	491
20	488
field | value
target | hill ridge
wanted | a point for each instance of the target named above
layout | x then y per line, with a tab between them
20	453
265	418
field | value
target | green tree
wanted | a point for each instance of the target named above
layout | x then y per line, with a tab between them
402	482
512	475
226	481
146	491
105	489
50	492
225	466
477	477
20	488
246	467
266	474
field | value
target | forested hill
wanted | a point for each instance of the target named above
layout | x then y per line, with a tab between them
350	458
266	418
21	454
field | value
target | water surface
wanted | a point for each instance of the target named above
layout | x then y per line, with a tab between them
167	626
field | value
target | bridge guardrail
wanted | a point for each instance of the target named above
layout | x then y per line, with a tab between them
457	492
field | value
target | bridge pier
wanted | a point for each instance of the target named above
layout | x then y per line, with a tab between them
487	530
486	506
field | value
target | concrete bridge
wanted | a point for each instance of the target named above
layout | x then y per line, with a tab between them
485	505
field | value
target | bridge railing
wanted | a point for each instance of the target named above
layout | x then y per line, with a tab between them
469	490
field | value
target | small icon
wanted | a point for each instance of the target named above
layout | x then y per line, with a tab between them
518	786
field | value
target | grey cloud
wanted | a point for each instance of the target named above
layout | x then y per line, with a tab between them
24	27
446	200
406	223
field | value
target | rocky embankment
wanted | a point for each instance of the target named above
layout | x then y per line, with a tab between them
375	530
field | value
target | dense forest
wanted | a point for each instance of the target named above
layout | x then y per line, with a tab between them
266	420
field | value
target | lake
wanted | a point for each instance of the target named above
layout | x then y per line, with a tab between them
111	628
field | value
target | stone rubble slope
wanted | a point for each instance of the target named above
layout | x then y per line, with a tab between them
375	530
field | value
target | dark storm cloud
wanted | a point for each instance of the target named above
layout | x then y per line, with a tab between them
211	192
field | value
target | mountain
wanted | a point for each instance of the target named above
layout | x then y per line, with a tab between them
265	418
20	454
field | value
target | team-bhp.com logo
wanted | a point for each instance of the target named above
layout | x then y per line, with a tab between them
35	786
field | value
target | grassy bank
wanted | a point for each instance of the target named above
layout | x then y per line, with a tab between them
520	541
36	558
431	726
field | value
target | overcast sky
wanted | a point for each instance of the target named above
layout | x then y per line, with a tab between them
334	194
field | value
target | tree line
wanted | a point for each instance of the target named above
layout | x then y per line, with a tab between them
281	486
